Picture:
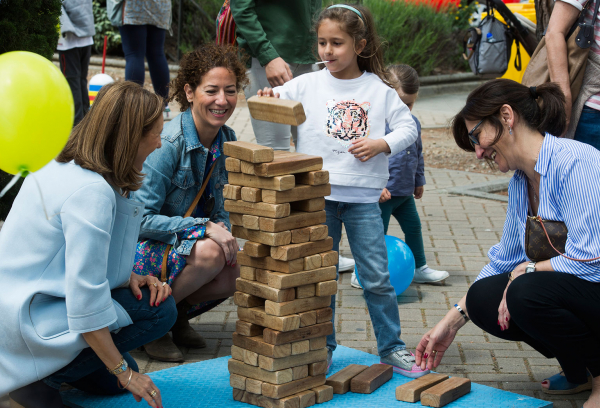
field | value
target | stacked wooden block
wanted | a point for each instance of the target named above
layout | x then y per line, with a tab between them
287	276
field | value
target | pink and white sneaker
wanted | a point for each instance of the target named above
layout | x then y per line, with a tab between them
403	362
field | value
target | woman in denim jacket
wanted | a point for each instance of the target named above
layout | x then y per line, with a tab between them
202	262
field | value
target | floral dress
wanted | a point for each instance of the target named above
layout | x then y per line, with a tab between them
149	253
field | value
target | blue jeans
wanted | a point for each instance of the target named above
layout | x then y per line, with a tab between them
364	228
588	127
88	373
148	41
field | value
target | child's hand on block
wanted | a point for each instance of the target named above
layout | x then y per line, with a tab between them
365	148
267	92
385	195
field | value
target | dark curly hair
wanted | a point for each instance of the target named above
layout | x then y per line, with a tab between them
195	64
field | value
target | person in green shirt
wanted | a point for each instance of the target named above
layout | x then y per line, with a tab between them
278	36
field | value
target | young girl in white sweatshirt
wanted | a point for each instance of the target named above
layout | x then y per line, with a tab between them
348	105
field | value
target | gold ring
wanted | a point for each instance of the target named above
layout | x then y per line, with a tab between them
164	283
153	393
155	285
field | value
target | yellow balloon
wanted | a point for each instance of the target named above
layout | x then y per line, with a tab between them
36	111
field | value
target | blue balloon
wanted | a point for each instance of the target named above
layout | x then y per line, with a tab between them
401	264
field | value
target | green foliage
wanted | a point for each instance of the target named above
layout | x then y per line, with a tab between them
105	28
198	24
462	15
26	25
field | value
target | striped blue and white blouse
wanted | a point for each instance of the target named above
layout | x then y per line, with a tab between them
569	192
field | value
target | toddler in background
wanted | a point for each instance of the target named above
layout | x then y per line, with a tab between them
407	178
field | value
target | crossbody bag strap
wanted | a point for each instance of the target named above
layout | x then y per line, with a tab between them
163	269
541	221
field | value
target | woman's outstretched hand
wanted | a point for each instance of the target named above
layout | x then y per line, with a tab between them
267	92
142	387
159	292
434	344
225	240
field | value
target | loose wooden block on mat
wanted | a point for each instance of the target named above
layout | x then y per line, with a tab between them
248	329
279	183
258	316
276	110
299	372
288	163
267	238
250	222
258	345
296	306
313	178
445	392
232	192
265	402
411	391
254	386
248	273
296	219
300	235
340	381
247	300
323	393
307	398
274	336
318	232
301	347
251	194
327	288
295	251
317	343
271	264
237	381
256	249
236	219
370	379
232	164
273	377
250	152
305	291
312	262
301	192
329	258
265	291
247	168
261	209
311	205
284	390
277	364
320	367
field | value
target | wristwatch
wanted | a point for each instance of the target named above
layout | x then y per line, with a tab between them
530	267
120	368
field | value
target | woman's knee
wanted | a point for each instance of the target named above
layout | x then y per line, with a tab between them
166	314
206	254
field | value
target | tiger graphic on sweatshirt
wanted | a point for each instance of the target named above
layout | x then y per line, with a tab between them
347	120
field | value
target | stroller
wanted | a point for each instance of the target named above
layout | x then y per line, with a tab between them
488	46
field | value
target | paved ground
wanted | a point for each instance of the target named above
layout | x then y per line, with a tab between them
457	231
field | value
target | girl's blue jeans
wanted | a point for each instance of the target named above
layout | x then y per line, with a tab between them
364	229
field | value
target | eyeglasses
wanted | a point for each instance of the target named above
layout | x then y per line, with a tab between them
474	139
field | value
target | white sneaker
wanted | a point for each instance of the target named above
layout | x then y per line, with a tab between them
346	264
425	274
354	281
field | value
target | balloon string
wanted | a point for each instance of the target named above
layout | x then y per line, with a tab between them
10	184
42	199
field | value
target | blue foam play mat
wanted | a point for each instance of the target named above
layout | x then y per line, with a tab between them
206	384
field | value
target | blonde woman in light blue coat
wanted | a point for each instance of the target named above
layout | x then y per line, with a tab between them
71	308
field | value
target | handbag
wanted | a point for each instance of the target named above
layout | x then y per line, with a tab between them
579	40
225	26
163	269
546	238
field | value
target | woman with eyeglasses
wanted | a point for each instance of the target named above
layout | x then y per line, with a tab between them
552	305
201	264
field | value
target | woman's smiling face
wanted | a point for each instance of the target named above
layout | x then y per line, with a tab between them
485	133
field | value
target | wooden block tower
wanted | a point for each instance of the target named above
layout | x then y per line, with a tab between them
287	276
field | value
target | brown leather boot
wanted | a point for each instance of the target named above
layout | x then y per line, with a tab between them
184	335
163	349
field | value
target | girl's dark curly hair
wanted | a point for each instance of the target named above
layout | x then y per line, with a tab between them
195	64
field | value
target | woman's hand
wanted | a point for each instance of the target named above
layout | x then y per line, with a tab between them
267	92
385	195
225	240
142	387
434	344
365	148
503	314
159	292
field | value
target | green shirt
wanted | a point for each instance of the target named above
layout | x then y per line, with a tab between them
268	29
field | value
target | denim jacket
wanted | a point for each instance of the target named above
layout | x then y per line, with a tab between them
174	175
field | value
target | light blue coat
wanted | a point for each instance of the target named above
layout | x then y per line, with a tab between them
57	273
